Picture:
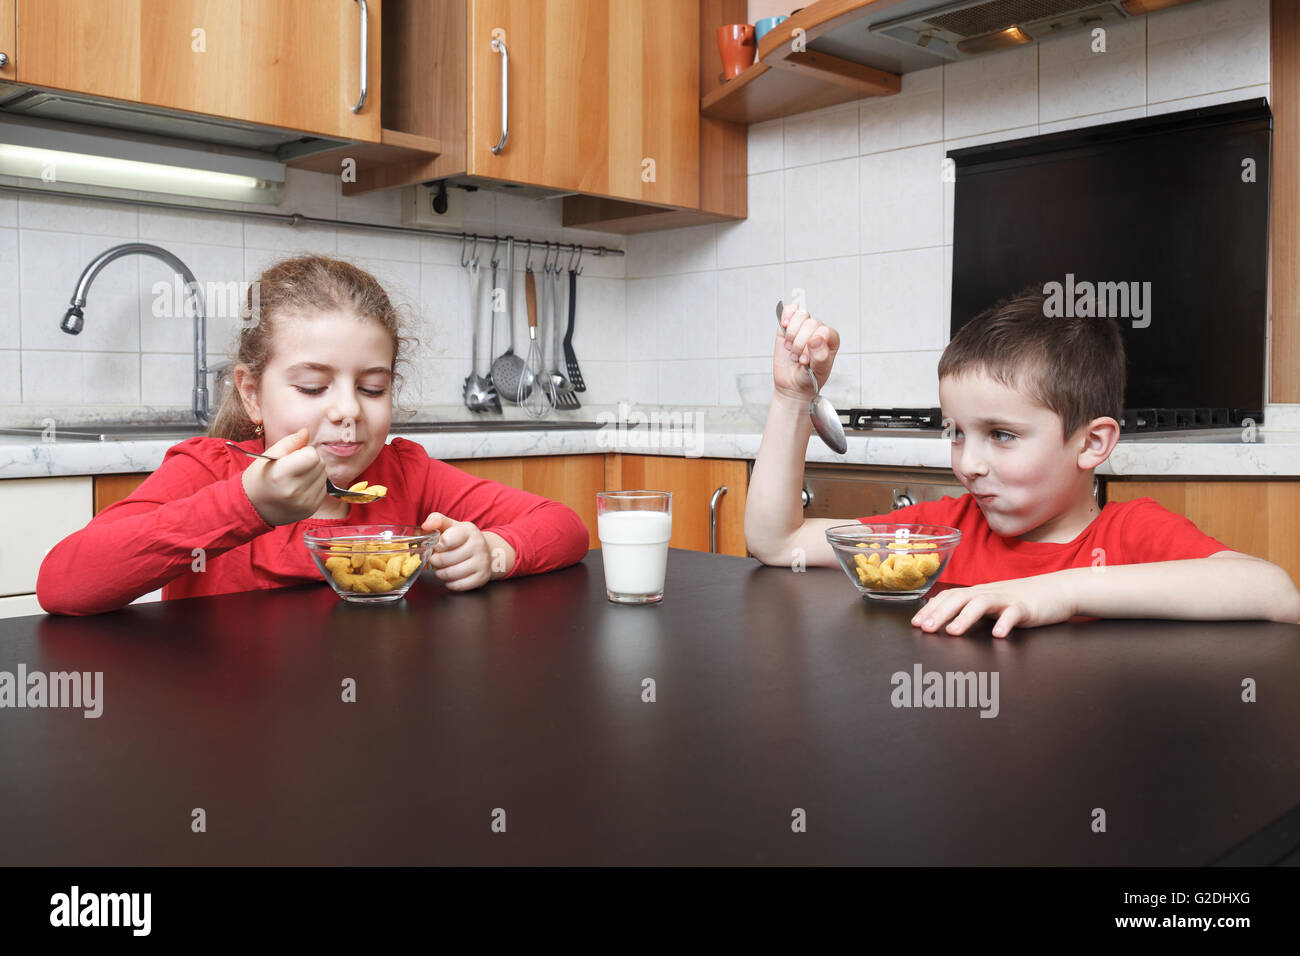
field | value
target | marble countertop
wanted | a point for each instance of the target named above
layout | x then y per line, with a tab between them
1216	453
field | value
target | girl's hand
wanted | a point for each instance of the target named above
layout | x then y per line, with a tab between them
802	341
291	488
465	557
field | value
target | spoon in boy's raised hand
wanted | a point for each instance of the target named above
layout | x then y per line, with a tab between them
359	496
825	419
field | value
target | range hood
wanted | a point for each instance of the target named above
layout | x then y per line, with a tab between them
281	145
967	28
900	36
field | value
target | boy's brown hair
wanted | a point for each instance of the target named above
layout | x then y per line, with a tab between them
1073	366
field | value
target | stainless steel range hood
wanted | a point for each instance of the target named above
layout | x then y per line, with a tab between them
909	35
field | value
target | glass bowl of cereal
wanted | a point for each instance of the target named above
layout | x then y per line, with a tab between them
370	563
893	562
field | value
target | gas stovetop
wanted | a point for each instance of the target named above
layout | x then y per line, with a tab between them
1133	420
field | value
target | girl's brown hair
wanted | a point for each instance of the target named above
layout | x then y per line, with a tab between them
1073	366
296	287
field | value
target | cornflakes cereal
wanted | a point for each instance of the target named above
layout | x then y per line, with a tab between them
369	489
371	567
901	570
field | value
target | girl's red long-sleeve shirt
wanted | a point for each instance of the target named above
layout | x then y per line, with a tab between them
196	500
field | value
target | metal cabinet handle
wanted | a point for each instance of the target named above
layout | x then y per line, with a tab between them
902	500
4	60
499	46
356	108
807	497
713	518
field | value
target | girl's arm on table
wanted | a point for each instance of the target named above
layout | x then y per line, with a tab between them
140	543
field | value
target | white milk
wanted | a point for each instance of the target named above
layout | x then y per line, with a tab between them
635	548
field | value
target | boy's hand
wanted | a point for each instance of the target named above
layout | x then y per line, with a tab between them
1019	602
290	488
802	340
463	556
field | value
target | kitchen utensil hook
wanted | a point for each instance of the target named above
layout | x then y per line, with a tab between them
494	261
528	257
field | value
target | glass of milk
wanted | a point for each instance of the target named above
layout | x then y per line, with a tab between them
634	528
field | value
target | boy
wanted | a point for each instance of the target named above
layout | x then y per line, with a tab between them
1032	406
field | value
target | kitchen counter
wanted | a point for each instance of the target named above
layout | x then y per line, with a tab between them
1216	453
773	691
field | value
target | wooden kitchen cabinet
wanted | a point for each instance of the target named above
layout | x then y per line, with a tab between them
8	39
602	101
287	63
570	479
39	513
1257	517
692	482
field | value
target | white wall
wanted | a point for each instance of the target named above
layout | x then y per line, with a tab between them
848	203
845	202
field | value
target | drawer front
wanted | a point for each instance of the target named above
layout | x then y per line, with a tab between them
40	512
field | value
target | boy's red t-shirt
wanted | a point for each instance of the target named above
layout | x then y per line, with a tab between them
1128	532
196	499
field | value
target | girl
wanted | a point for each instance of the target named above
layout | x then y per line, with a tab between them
314	382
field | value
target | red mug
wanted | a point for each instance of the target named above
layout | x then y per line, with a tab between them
737	46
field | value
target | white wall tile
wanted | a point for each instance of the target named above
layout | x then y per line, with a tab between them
900	379
11	319
687	323
113	378
642	320
11	385
997	91
910	117
1207	46
746	310
1076	81
84	217
766	143
759	239
821	135
902	199
822	210
832	291
167	379
688	382
52	378
903	302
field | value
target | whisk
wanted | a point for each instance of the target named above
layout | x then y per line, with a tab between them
531	394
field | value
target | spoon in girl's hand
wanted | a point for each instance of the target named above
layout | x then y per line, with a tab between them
359	496
825	419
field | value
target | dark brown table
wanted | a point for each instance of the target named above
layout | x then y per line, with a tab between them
773	693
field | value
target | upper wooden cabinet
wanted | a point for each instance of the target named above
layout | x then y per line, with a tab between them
602	97
8	46
295	64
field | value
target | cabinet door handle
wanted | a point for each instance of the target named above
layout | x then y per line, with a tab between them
4	60
499	46
902	500
713	518
356	108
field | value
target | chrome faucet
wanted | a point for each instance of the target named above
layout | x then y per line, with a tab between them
74	318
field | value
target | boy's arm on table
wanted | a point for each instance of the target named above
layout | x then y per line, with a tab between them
1228	585
136	545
